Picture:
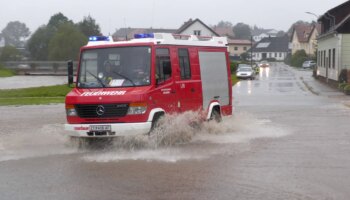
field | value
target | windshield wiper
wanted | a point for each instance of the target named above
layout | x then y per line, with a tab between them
127	78
98	79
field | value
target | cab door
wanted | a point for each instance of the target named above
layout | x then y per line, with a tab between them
188	84
164	96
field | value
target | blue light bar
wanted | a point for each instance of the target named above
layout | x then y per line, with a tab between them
144	35
98	38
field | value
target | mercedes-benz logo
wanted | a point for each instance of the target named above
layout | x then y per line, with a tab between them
100	110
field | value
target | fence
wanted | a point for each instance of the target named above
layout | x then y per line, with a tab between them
40	67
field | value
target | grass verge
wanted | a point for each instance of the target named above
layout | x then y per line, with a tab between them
34	96
6	72
234	79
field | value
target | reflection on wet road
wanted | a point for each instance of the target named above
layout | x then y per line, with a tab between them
283	142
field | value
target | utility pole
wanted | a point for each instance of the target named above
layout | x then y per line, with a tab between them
251	51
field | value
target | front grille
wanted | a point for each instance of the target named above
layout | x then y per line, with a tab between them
101	110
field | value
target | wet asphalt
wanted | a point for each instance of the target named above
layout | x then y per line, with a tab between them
289	138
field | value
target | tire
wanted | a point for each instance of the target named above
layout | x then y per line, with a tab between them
215	115
156	121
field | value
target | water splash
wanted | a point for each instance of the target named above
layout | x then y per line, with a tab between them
172	140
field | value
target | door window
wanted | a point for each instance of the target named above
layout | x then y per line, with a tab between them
184	63
163	65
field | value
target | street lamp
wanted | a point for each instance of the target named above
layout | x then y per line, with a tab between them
310	13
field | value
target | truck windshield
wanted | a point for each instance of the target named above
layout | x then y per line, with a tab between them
115	67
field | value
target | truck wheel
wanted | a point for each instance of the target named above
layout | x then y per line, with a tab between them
156	121
215	115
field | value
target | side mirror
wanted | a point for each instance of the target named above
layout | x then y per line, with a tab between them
70	72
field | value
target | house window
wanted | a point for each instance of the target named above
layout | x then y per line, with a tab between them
245	48
275	55
197	32
333	61
235	48
324	58
329	58
184	62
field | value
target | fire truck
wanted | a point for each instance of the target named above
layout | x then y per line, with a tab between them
123	88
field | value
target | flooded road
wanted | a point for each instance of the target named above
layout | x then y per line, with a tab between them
285	141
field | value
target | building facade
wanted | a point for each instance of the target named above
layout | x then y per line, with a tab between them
271	48
304	37
333	53
196	27
238	47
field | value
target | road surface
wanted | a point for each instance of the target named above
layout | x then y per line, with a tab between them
288	139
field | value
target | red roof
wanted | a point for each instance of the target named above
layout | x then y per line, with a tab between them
304	31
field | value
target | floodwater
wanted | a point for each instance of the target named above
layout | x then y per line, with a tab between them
284	141
32	138
16	82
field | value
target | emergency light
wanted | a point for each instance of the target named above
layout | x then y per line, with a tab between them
143	35
98	38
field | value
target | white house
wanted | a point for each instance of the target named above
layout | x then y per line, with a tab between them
271	48
196	27
259	34
333	52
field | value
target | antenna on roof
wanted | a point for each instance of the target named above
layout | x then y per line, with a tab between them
152	20
126	31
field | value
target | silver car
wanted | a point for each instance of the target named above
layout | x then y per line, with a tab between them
309	64
245	73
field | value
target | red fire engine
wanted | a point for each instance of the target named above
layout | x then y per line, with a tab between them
123	88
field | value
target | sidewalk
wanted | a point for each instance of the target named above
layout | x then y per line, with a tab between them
318	87
15	82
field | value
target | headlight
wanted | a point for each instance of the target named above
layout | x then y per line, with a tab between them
70	110
137	108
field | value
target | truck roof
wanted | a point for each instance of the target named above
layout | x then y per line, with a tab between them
163	38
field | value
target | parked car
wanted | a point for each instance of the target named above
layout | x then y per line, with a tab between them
264	63
309	64
246	73
242	65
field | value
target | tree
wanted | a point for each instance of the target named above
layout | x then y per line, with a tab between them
300	22
39	41
10	53
242	31
15	33
38	44
223	24
89	27
57	20
66	42
280	34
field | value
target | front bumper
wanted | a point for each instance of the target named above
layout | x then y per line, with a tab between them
116	129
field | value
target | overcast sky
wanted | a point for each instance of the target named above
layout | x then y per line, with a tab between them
114	14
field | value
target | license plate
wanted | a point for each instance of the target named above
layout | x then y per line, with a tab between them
100	127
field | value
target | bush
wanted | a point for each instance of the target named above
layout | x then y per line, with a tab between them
347	89
341	86
233	66
298	58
